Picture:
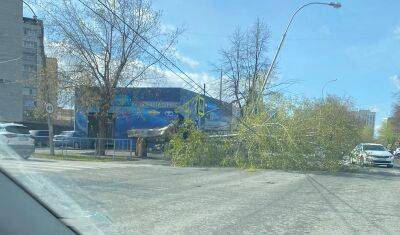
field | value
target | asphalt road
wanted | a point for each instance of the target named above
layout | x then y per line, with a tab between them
150	197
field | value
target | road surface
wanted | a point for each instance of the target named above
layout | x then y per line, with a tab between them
150	197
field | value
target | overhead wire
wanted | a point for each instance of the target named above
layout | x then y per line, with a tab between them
10	60
153	47
144	49
160	53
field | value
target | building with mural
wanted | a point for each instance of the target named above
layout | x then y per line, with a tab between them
142	108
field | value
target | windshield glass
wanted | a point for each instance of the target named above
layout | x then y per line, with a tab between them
373	147
203	117
17	129
67	133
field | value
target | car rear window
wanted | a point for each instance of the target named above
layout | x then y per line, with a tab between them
17	129
373	147
43	133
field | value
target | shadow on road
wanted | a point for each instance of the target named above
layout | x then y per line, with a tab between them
365	173
316	184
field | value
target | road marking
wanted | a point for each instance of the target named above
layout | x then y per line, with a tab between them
53	166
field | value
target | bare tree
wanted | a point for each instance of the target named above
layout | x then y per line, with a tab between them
98	51
245	64
46	83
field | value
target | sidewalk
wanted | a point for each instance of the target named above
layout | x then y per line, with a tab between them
88	153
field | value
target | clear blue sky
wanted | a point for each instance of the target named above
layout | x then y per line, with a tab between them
358	44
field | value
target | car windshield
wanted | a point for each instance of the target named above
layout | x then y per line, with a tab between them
67	133
373	147
39	133
202	117
17	129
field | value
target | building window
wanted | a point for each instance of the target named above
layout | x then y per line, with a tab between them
25	91
30	44
30	68
29	57
30	32
29	103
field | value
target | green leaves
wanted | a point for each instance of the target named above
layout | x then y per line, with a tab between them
386	134
300	135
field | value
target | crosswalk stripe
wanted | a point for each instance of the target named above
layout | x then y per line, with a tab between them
39	167
53	166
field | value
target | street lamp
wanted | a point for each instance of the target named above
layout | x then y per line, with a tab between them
323	87
49	119
331	4
31	9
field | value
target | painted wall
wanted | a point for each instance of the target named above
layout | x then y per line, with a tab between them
156	107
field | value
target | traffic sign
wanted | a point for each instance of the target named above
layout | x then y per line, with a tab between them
200	106
49	108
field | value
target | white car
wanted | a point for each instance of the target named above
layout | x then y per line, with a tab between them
15	139
372	154
397	152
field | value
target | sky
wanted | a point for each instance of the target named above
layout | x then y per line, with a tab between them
358	44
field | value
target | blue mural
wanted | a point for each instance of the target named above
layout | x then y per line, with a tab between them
144	108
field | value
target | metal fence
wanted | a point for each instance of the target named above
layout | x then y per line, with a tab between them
95	147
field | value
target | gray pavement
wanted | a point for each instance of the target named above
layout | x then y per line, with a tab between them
150	197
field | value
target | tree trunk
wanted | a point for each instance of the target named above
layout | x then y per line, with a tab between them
50	127
141	147
102	134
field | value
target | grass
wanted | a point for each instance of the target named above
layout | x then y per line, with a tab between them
78	157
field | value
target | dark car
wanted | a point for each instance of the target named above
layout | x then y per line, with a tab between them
73	139
41	137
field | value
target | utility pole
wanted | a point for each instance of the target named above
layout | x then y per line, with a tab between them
203	119
220	85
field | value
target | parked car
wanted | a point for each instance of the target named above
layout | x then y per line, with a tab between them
17	138
397	152
372	154
41	137
73	139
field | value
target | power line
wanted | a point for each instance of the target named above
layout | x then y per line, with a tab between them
144	49
161	54
11	60
149	43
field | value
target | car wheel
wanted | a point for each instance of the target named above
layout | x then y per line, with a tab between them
26	157
389	166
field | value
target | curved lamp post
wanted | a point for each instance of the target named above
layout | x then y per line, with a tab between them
331	4
323	87
49	119
30	8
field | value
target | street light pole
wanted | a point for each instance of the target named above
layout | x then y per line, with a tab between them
30	8
323	87
332	4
